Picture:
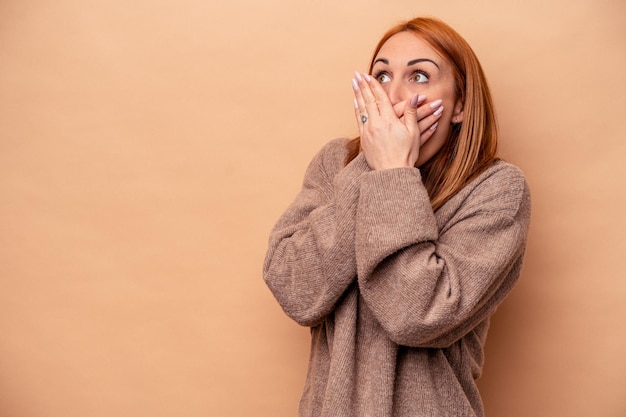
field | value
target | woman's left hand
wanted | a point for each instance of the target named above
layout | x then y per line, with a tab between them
389	141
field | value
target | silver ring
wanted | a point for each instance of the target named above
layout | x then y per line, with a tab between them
363	118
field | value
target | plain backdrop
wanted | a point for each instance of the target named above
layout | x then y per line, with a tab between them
147	148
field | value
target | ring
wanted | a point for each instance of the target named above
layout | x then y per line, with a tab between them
363	118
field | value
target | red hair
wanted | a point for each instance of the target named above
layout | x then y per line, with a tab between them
472	145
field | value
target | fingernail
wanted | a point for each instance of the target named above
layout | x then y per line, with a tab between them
358	76
438	111
434	126
436	103
417	99
356	104
367	77
355	85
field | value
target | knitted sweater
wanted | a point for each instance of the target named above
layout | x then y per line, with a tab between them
398	298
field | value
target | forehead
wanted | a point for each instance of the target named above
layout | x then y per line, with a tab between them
406	46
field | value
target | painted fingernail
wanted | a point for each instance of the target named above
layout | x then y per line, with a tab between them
355	85
436	103
434	126
417	99
367	77
438	111
358	76
356	104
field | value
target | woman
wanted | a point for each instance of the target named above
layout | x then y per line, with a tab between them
402	243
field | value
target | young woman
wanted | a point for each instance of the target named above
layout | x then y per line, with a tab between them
403	242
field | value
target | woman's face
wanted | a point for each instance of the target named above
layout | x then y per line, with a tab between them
405	66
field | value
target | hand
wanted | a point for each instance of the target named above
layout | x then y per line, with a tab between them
389	141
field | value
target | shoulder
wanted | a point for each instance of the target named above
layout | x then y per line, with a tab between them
335	150
503	174
331	157
502	187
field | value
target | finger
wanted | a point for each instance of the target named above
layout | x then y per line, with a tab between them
358	115
358	96
360	111
359	100
428	133
427	109
369	99
410	112
432	118
380	96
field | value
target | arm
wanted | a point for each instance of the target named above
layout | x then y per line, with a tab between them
428	286
311	260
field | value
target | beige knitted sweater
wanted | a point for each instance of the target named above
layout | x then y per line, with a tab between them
398	298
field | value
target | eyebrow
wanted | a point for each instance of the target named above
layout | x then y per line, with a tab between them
408	64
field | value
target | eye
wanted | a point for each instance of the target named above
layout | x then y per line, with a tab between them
383	77
419	77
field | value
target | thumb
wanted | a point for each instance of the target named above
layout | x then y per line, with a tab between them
410	112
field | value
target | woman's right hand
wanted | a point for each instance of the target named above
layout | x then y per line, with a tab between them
389	141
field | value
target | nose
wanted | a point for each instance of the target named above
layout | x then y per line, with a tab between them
397	93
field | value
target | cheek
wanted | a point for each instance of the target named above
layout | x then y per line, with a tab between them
443	89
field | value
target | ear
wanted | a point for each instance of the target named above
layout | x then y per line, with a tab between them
457	115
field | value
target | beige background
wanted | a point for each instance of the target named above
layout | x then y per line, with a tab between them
147	147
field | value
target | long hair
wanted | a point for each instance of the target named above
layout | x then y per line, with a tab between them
472	145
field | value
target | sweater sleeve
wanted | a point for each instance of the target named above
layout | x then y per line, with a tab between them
311	258
427	284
